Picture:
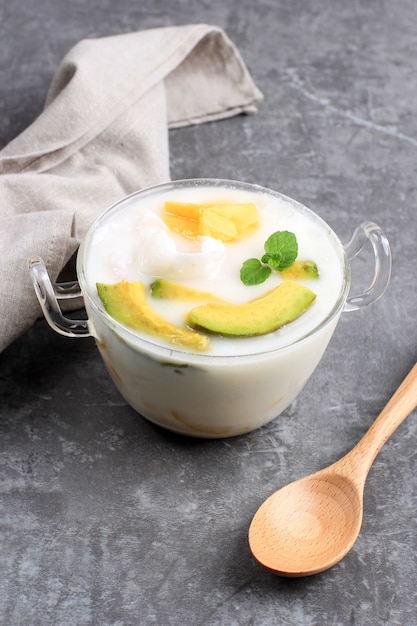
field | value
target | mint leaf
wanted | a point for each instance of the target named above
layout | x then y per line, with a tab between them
281	250
253	272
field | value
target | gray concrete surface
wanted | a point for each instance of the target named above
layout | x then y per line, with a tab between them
107	520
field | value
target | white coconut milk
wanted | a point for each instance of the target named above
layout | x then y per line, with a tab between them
135	244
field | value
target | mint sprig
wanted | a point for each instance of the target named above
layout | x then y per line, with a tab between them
281	250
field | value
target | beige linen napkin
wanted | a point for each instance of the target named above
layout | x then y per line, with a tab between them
103	134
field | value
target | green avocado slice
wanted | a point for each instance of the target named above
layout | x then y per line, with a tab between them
259	316
301	270
127	303
165	289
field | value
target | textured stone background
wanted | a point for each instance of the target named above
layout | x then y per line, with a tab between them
107	520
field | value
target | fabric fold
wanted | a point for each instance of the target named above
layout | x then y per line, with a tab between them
102	134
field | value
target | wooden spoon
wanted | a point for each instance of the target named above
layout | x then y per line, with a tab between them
311	524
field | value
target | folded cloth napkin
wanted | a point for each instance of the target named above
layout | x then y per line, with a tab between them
102	134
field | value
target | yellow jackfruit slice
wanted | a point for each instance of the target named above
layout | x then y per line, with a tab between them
223	221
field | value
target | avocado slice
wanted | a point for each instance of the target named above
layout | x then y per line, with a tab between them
259	316
162	288
126	302
301	270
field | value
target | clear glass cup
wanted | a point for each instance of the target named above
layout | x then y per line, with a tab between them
200	394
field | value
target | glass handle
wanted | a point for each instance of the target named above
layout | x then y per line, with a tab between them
65	291
369	231
48	294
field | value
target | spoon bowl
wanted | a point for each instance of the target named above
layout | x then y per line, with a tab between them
309	525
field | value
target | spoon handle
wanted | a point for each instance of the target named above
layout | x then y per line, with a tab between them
359	460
